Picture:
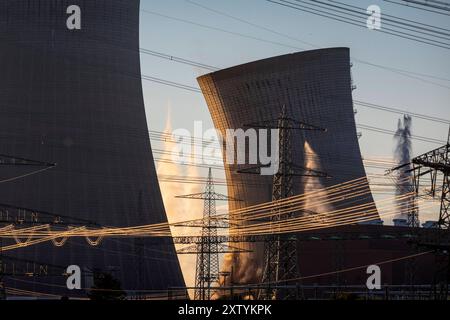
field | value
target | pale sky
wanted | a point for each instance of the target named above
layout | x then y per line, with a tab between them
296	29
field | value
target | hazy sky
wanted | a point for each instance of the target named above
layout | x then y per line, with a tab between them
222	49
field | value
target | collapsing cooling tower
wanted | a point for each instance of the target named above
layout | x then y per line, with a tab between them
315	86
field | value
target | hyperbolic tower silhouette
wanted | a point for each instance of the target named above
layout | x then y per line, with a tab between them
74	97
316	87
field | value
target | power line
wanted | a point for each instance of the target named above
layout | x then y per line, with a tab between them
197	90
431	4
347	20
210	67
405	73
219	29
361	13
25	175
416	7
391	132
400	111
392	16
420	30
357	268
338	217
249	23
409	74
357	102
366	127
177	59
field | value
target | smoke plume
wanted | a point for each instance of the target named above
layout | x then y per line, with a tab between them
179	209
314	184
402	155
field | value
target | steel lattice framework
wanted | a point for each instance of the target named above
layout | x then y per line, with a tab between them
434	162
207	266
412	207
207	269
280	250
437	162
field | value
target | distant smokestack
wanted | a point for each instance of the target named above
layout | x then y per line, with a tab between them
402	155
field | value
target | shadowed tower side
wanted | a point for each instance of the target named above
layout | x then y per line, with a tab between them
74	97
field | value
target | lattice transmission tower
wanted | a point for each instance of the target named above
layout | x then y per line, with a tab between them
280	250
436	165
208	248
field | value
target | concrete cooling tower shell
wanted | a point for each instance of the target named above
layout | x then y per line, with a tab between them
74	97
316	88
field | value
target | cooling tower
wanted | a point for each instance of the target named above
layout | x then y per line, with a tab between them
73	96
315	87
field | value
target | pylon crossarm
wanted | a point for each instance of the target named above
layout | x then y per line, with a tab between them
396	168
220	248
208	222
302	125
199	196
296	170
292	124
17	161
41	217
207	196
437	166
437	159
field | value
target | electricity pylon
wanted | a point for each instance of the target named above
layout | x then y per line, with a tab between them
281	253
208	249
436	163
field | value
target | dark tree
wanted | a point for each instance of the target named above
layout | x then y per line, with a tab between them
106	287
